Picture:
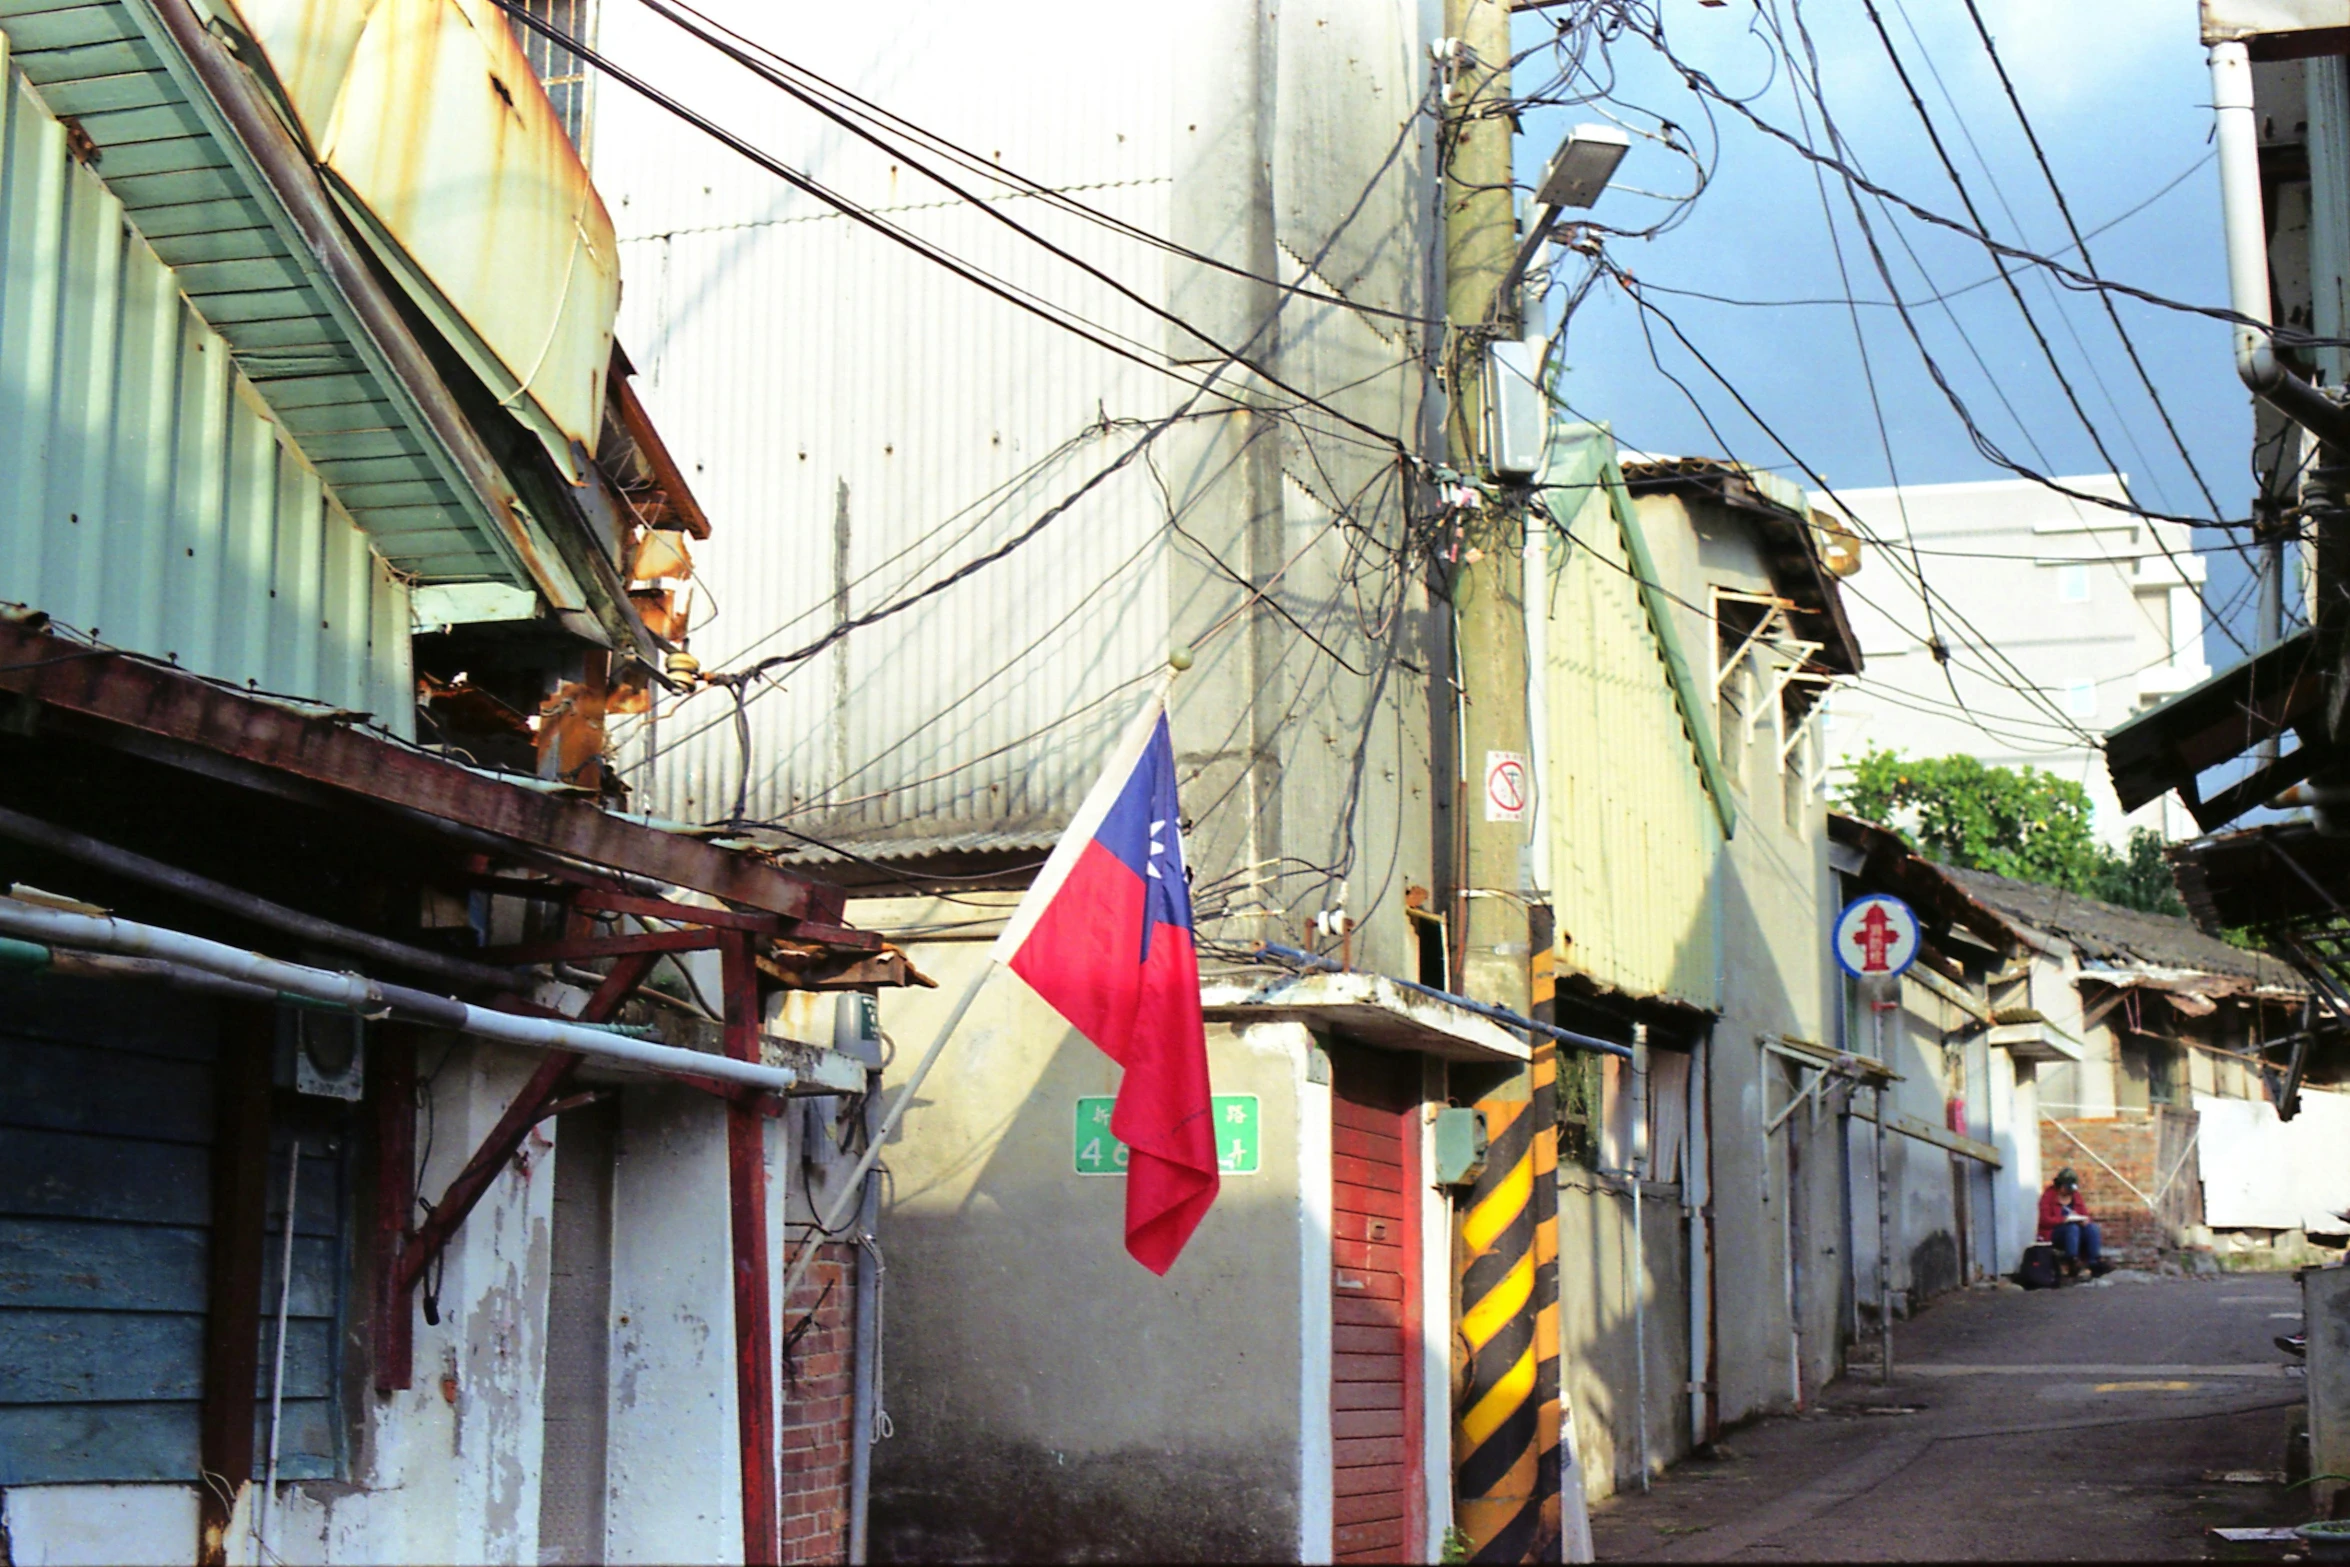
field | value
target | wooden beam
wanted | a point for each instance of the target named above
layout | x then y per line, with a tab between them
232	1309
156	700
1928	1132
746	1194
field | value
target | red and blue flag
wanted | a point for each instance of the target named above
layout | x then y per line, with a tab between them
1105	937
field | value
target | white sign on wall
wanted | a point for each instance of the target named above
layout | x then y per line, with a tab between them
1876	937
1508	787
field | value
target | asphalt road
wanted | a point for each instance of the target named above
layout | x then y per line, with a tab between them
2083	1424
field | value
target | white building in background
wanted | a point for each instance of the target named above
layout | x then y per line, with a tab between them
2061	618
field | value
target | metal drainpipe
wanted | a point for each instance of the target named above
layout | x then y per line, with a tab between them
1639	1234
865	1341
2237	132
2238	135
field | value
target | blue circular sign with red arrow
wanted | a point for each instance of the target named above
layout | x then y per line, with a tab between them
1876	937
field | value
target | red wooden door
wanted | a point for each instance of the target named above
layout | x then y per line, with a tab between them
1375	1393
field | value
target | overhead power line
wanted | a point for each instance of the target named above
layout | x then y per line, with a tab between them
2085	282
1013	180
1059	316
855	127
2081	244
1974	214
2119	218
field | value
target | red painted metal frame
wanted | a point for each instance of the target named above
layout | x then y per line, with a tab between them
472	1183
680	913
1415	1388
573	949
746	1192
232	1312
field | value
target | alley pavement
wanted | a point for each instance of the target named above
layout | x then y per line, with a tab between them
2089	1423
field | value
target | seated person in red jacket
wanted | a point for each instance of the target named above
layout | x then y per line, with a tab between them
2066	1225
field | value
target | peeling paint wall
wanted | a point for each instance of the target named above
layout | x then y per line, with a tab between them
672	1460
448	1470
97	1525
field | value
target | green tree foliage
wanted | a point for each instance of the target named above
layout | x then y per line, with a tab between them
2017	822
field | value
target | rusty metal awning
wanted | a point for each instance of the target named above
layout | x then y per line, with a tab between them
2171	745
126	703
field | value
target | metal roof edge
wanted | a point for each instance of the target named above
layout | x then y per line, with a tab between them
272	162
1366	1007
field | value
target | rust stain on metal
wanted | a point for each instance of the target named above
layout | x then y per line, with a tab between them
571	735
640	462
428	113
137	695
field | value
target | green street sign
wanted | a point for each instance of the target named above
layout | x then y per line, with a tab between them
1238	1147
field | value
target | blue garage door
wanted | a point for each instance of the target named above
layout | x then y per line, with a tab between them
106	1160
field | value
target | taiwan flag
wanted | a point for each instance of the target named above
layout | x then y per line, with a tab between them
1104	936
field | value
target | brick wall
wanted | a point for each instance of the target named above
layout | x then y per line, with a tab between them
817	1371
2142	1149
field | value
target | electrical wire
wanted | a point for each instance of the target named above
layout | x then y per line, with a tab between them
1974	215
1703	85
988	168
2173	183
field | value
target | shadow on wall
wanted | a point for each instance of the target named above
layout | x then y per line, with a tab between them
1051	1399
1933	1267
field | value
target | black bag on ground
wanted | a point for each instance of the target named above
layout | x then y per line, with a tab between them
2039	1268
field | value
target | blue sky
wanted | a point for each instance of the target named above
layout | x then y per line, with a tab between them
2119	93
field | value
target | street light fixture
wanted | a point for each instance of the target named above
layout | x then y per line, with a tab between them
1582	166
1577	173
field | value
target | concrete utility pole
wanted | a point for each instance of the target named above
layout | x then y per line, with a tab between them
1480	238
1506	1423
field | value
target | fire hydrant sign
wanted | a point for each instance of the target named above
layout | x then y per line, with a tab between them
1876	937
1506	787
1237	1147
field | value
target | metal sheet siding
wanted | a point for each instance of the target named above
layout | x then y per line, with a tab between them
242	266
146	493
1635	842
850	412
429	112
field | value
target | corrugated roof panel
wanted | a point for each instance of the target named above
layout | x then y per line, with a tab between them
1634	840
145	493
833	460
885	455
155	150
864	422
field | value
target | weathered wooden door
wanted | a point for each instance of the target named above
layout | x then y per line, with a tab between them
1376	1391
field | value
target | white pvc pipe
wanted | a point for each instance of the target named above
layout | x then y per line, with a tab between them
1696	1172
1534	598
2242	226
33	922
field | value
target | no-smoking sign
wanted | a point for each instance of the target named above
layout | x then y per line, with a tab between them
1507	789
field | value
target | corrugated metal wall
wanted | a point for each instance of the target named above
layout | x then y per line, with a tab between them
145	494
1635	843
858	421
853	413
